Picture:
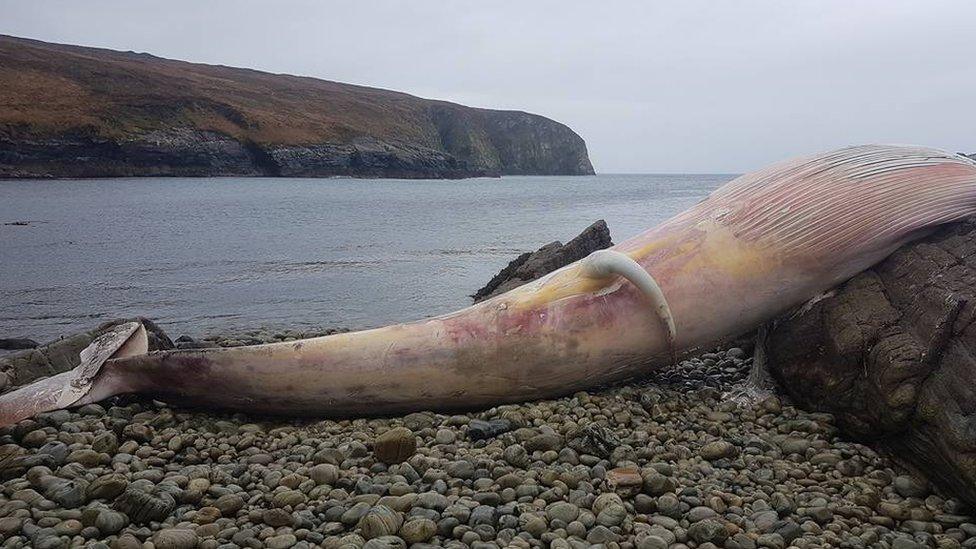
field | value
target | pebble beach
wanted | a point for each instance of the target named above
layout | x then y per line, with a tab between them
668	462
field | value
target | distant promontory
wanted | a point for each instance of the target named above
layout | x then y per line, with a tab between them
70	111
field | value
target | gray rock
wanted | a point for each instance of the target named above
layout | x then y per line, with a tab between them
612	515
279	517
418	531
651	542
532	265
564	511
718	449
887	352
516	456
444	436
480	430
910	487
385	542
110	522
906	543
142	507
380	521
601	534
107	487
229	504
708	530
17	344
700	513
594	440
544	442
283	541
773	541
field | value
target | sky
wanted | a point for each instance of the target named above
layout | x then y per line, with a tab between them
653	87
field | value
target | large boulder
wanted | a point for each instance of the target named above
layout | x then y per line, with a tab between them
892	353
62	354
532	265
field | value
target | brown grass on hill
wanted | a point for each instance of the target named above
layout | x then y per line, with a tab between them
56	88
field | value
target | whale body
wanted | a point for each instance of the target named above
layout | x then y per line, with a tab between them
754	248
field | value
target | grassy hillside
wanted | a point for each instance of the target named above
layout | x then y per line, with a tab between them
75	111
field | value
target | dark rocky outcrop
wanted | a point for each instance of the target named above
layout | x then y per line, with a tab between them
892	353
69	111
532	265
17	343
62	354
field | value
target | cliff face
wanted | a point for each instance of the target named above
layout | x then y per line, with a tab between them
68	111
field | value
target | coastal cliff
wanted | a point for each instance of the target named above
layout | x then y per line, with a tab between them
70	111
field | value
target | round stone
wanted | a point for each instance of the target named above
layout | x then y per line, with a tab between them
324	473
444	436
395	445
175	538
564	511
418	531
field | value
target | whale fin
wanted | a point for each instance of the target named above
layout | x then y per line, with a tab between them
607	263
70	388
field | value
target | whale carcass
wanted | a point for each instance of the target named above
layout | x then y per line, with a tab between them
763	243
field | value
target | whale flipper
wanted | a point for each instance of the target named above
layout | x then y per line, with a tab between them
71	387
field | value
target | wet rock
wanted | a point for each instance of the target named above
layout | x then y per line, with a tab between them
532	265
63	354
16	344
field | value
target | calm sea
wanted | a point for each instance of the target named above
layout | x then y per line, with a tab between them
218	255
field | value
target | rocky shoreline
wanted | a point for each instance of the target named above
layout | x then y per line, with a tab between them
89	112
668	462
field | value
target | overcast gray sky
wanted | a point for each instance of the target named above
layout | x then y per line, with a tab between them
678	86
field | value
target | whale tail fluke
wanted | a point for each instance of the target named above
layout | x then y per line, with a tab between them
72	387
